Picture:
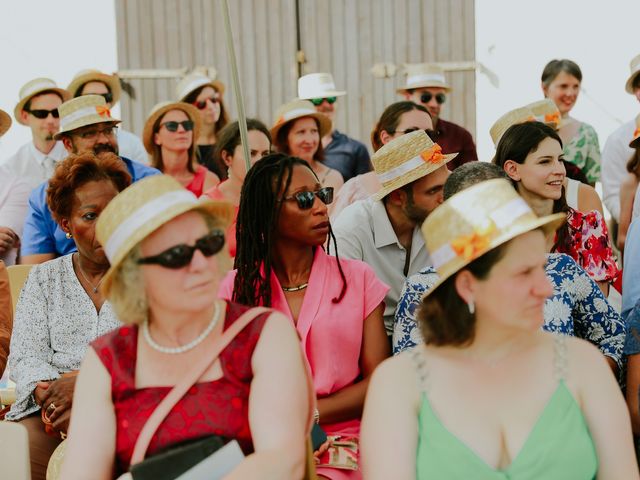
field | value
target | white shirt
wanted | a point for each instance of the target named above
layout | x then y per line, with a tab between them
131	147
32	165
14	201
363	231
615	155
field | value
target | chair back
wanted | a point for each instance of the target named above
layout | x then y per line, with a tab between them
14	454
17	276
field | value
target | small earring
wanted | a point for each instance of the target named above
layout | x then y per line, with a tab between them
472	307
68	235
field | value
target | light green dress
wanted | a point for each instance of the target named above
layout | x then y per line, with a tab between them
584	151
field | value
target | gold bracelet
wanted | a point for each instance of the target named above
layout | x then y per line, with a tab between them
316	415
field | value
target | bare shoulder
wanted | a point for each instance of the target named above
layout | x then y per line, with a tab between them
397	375
584	359
589	198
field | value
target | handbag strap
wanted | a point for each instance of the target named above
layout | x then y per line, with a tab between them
190	378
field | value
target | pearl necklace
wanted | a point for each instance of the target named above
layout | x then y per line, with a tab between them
188	346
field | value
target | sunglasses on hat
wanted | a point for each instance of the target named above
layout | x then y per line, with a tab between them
202	104
305	199
181	255
426	97
42	114
318	101
173	126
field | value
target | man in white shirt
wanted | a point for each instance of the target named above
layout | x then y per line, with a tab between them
38	110
384	230
94	82
616	152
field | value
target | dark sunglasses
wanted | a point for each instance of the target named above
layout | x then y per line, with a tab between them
426	97
42	114
202	104
305	199
108	97
431	133
173	126
318	101
181	255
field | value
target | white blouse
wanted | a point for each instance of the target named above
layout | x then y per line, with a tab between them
54	323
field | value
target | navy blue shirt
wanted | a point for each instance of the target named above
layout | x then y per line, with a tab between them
350	157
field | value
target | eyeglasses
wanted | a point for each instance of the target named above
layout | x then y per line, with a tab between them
305	199
427	96
173	126
431	133
96	132
318	101
108	97
202	104
42	114
181	255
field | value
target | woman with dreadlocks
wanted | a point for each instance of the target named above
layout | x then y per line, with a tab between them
336	305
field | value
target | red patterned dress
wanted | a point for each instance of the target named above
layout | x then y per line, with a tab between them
219	407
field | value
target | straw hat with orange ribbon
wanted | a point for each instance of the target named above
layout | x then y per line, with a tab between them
544	111
85	76
159	110
36	87
477	220
406	159
298	109
5	122
82	112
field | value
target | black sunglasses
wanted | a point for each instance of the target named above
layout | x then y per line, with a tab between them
108	97
173	126
305	199
426	97
431	133
202	104
318	101
42	114
181	255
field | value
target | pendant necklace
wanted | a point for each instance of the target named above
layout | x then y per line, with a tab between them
94	288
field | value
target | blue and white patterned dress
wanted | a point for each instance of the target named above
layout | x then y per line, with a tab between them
577	308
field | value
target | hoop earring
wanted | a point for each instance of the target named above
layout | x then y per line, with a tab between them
472	307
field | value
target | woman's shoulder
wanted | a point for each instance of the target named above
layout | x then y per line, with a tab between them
48	273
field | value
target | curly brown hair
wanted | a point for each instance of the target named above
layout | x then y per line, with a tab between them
76	170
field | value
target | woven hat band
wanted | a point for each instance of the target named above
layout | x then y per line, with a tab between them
67	120
433	77
37	87
400	170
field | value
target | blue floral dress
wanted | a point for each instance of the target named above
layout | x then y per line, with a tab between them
577	308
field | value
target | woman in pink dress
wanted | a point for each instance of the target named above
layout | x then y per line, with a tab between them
336	304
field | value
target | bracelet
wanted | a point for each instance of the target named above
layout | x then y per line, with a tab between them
316	416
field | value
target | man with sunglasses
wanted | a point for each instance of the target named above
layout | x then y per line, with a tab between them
38	109
341	152
427	86
86	125
94	82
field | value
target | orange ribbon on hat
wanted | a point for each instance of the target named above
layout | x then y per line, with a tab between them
552	118
103	111
473	245
636	133
433	155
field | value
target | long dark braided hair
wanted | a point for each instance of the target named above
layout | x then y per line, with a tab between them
261	201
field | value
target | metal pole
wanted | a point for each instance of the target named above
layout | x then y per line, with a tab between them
242	119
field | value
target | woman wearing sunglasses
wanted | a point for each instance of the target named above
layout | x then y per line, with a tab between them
336	305
61	308
229	151
166	264
168	136
206	94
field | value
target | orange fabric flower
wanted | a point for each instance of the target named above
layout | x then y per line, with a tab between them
433	155
103	111
552	118
471	246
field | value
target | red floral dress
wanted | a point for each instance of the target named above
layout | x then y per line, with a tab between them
219	407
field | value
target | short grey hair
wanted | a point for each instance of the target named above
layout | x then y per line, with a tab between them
469	174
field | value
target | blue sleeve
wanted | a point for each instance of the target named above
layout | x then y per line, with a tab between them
632	340
37	236
363	160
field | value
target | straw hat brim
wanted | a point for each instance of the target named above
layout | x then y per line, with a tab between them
190	110
112	81
406	88
20	106
5	122
323	122
217	85
549	224
413	175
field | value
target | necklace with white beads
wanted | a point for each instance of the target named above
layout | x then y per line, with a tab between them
183	348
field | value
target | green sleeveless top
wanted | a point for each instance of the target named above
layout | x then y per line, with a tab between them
559	446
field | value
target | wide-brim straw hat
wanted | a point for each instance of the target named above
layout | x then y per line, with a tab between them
299	109
5	122
544	111
424	75
318	85
406	159
634	66
83	111
159	110
477	220
86	76
195	80
33	88
141	209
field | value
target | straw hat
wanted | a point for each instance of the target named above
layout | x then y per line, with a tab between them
298	109
544	111
144	207
405	159
159	110
34	87
83	111
634	66
318	85
422	75
5	122
195	80
86	76
477	220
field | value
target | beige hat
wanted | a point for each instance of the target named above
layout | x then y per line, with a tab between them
318	85
159	110
544	111
33	88
86	76
298	109
5	122
634	66
144	207
477	220
83	111
195	80
422	75
406	159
